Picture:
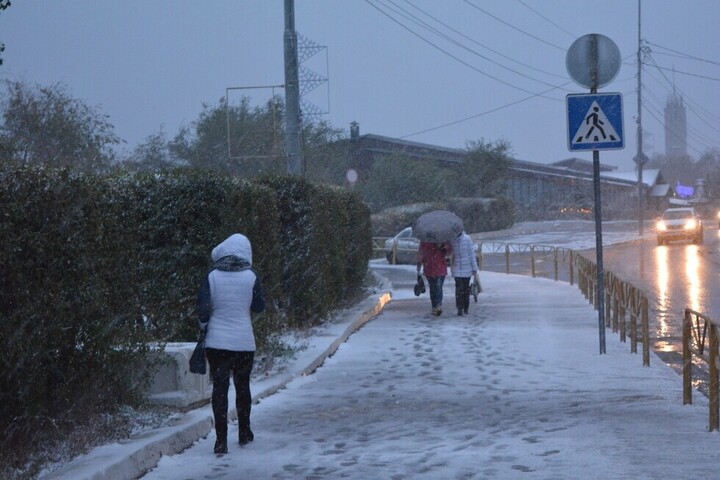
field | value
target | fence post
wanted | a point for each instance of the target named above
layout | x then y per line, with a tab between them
645	332
687	358
616	313
608	296
713	382
621	319
532	259
634	313
507	258
555	259
572	271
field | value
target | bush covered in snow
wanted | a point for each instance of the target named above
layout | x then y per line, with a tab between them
95	268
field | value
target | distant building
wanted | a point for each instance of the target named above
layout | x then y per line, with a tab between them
563	189
675	126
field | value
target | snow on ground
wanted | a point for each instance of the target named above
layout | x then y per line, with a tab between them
515	390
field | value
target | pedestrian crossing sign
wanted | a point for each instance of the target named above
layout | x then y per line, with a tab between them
595	121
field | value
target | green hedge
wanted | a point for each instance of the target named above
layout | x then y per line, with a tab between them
95	268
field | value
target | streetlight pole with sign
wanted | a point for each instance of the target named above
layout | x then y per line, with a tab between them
595	123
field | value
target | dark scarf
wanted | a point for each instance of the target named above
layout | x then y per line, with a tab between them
231	263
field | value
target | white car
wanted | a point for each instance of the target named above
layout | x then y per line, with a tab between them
679	224
403	248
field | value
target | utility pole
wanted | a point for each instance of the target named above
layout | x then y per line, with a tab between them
640	158
292	92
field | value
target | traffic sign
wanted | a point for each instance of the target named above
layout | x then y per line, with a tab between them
593	60
595	121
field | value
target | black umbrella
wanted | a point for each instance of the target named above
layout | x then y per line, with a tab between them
437	226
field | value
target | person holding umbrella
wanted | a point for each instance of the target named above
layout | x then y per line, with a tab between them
431	257
434	230
464	266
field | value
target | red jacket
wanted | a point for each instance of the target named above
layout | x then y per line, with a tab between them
432	256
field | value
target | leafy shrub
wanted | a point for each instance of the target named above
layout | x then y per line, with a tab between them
95	269
67	328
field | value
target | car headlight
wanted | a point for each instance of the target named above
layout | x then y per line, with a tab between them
661	226
690	225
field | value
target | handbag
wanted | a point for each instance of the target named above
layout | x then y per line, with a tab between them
197	359
475	287
419	286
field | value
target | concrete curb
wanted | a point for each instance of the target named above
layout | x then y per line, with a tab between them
131	459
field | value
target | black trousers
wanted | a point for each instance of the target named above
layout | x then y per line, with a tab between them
462	293
223	363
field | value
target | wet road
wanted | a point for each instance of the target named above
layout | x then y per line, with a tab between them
674	277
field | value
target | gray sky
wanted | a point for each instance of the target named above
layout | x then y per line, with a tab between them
429	71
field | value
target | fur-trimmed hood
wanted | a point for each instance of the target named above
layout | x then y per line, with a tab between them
236	245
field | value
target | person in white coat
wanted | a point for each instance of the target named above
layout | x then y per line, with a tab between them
464	266
228	294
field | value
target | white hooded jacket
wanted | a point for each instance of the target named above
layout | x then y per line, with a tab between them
231	296
464	261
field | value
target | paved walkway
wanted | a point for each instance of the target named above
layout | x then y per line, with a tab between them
515	390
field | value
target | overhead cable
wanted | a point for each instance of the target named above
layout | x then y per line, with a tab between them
514	27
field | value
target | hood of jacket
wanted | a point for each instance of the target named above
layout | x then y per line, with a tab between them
236	245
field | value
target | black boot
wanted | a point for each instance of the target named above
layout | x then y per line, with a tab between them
245	436
221	446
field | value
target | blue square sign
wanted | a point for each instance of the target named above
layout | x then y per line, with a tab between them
595	121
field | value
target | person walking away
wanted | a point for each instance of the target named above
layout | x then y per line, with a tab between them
464	266
431	256
228	295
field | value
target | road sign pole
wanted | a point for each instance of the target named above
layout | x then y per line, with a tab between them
593	61
598	239
599	251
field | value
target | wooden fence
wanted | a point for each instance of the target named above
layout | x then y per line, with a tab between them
697	329
626	309
625	304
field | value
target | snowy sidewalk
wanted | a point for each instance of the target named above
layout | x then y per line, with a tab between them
517	389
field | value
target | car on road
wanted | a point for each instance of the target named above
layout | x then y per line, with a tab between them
679	224
403	247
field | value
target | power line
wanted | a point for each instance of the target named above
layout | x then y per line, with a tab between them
483	45
696	75
514	27
493	110
545	18
672	86
369	2
655	106
424	24
683	55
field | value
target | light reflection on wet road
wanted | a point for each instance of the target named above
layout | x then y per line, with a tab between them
674	277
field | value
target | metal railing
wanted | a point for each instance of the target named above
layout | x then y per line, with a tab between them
537	254
392	255
625	304
622	300
697	328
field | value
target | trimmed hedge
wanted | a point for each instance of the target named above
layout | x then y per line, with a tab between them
93	269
